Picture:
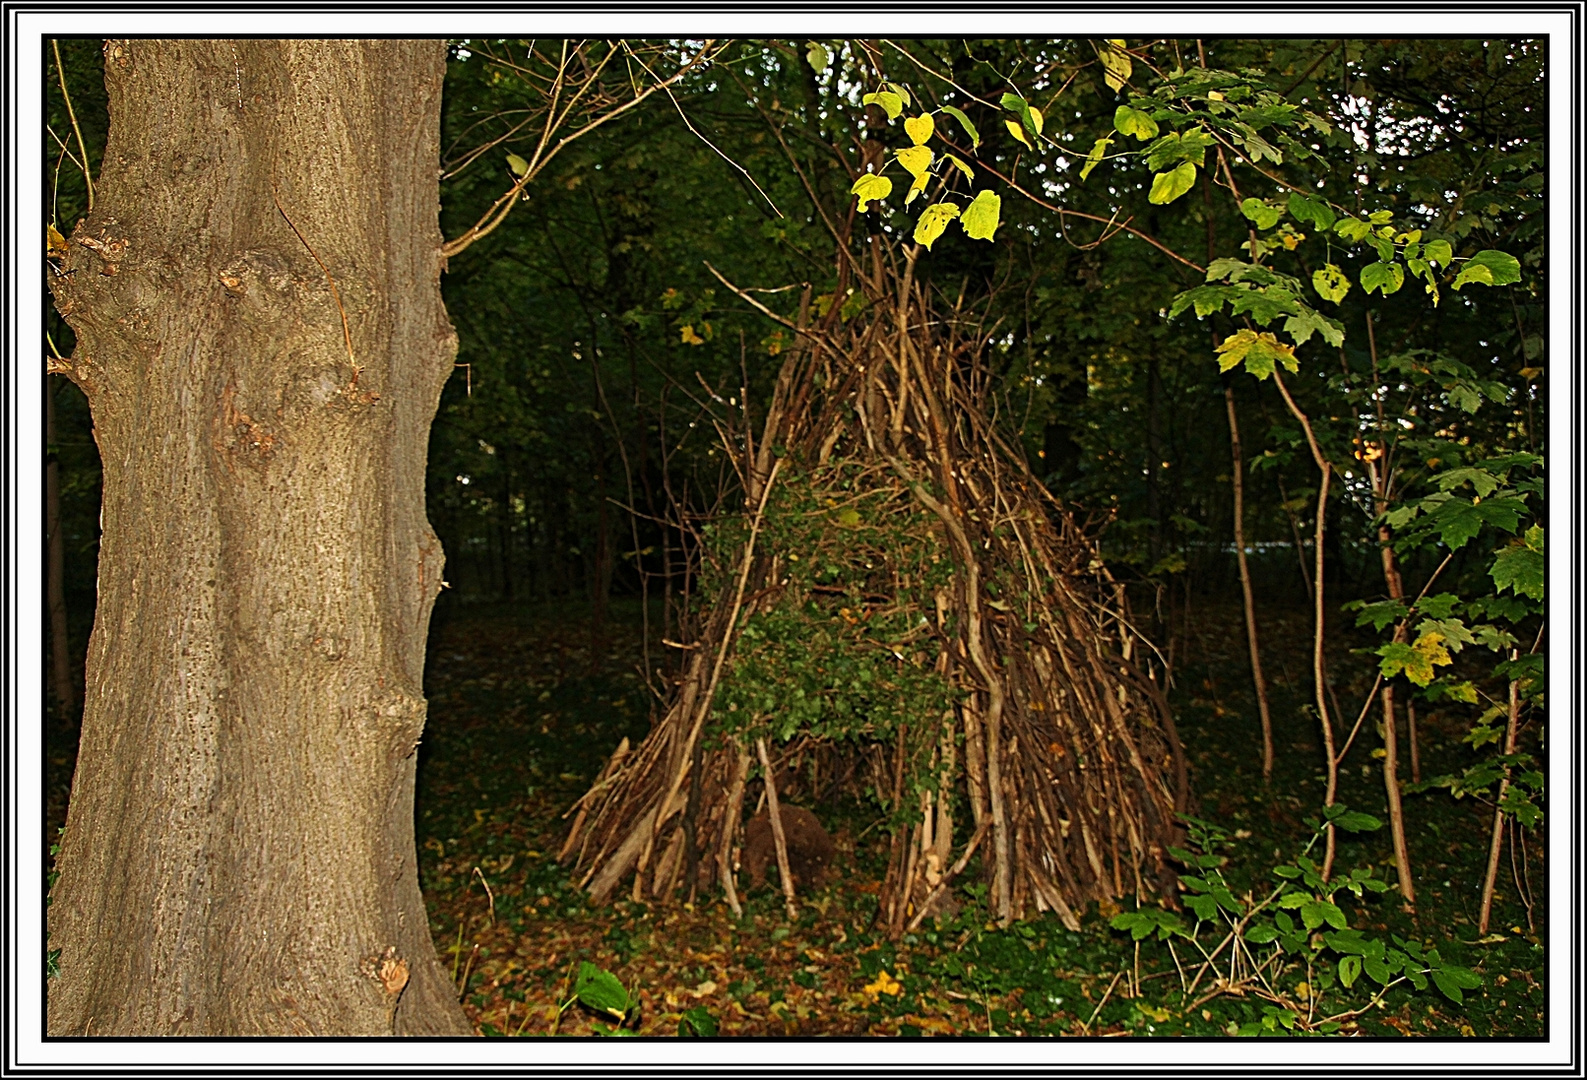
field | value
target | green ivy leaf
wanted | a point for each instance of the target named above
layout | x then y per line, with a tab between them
980	218
1168	186
933	222
1128	121
1387	277
964	122
1489	267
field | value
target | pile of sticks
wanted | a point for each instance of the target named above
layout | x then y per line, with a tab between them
1063	750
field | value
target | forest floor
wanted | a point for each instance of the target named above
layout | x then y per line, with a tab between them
525	708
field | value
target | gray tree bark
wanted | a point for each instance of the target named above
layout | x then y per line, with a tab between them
263	343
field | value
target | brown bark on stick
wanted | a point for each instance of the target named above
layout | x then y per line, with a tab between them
239	855
779	840
1238	475
1496	840
1318	664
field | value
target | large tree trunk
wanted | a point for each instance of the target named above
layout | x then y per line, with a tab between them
55	576
239	854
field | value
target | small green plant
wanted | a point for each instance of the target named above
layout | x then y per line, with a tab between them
697	1023
1252	946
601	992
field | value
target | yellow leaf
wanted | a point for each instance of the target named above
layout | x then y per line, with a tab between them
933	221
917	188
884	984
55	243
1116	65
1018	132
961	166
919	128
691	338
916	159
870	187
1035	119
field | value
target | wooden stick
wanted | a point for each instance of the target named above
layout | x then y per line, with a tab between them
778	838
1496	844
724	853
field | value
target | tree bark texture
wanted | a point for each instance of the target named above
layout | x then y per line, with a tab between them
55	575
262	341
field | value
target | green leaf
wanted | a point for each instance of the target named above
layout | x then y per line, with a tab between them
1379	614
599	989
919	128
816	56
964	122
1128	121
1305	208
1448	986
1356	821
1387	277
1377	969
1352	229
891	103
1095	156
1438	251
1489	267
697	1022
1181	146
1260	213
517	164
1168	186
1520	567
1261	934
980	218
1481	480
1331	283
1349	970
1029	118
1301	327
903	95
869	187
933	221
